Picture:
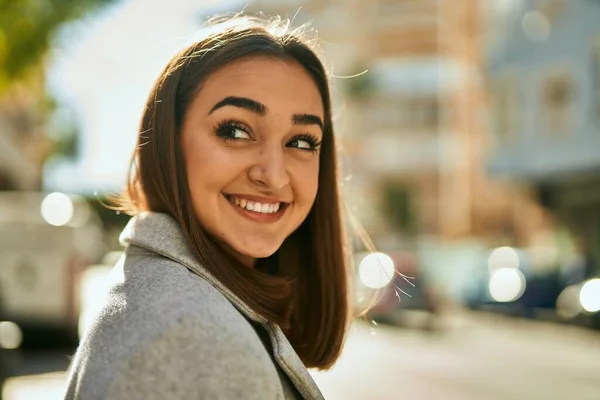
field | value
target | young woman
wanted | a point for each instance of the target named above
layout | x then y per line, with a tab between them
234	279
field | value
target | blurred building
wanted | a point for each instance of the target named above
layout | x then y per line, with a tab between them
23	142
545	80
413	128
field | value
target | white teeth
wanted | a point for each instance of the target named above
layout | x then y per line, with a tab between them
255	206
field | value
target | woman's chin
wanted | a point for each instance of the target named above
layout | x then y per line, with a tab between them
256	246
259	253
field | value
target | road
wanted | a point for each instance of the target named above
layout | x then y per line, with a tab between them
477	356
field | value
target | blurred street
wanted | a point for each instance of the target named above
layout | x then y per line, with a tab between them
476	356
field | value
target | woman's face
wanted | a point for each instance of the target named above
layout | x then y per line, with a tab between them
251	141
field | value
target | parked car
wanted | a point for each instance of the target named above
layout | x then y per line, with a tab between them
507	284
46	242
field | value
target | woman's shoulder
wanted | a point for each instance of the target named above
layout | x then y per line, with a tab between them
159	314
152	295
152	280
151	290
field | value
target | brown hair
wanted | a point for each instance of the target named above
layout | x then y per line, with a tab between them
306	290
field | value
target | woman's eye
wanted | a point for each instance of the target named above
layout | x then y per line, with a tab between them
305	143
232	131
302	144
237	133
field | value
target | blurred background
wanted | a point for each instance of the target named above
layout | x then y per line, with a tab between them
470	136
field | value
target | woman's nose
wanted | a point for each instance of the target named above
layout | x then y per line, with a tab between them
269	171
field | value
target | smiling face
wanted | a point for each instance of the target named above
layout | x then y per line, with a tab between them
251	141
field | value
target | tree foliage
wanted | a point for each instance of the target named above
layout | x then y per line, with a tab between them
27	28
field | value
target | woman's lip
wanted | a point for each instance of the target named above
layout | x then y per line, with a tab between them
259	199
259	217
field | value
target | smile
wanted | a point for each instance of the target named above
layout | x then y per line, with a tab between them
257	211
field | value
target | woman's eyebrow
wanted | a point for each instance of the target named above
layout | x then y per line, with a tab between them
260	109
307	119
241	102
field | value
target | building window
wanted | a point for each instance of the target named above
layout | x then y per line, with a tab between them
596	78
418	113
394	8
556	106
393	14
505	108
426	112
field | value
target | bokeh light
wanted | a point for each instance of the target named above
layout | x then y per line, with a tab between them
376	270
10	335
507	284
57	209
590	295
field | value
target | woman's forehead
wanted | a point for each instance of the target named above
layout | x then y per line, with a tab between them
272	82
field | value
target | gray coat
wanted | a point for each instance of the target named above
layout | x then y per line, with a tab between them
169	330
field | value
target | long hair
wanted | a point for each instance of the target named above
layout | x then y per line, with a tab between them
304	286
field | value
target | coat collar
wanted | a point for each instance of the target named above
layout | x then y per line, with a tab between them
161	234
